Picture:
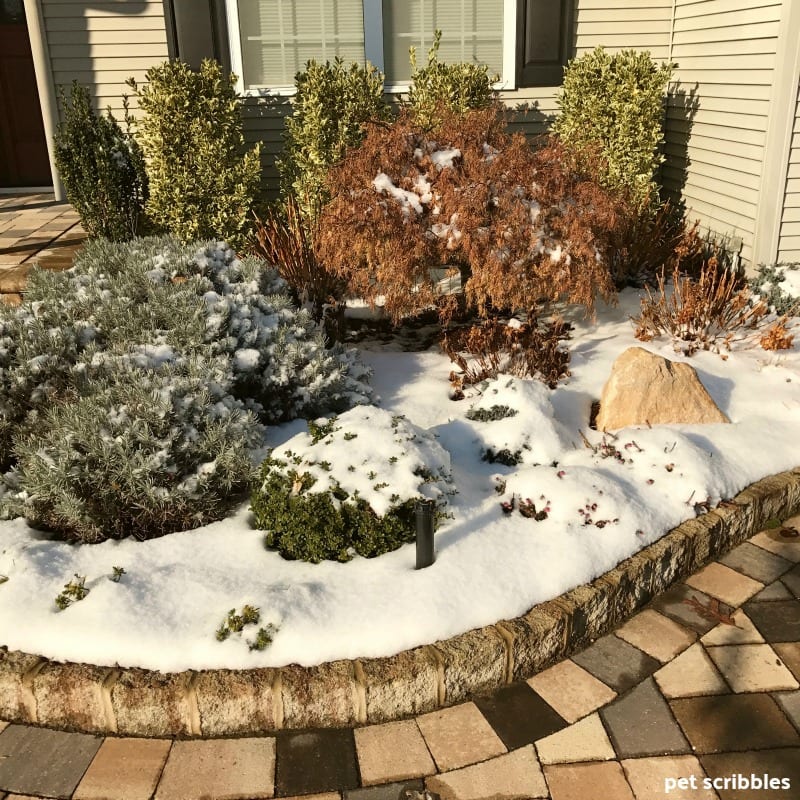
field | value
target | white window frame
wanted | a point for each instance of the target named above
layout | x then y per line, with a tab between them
373	48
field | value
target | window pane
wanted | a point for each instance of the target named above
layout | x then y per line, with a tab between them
279	36
472	30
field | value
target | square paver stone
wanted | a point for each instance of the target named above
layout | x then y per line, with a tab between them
661	777
515	775
743	632
791	580
725	584
752	668
678	604
388	791
789	653
38	761
691	673
125	769
392	752
656	635
585	740
315	761
458	736
734	722
774	541
616	663
781	764
641	724
756	563
571	690
773	591
790	703
778	621
323	796
584	781
518	715
226	769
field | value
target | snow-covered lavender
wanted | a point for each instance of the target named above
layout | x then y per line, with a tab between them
147	372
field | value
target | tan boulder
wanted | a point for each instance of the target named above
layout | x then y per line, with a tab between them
645	388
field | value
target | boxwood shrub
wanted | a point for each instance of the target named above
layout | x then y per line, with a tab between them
331	494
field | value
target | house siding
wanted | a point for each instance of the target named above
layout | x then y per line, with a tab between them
789	241
101	46
726	55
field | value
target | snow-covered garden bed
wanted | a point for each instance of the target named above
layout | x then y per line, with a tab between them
585	510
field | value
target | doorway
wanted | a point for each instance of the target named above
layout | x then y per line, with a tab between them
23	149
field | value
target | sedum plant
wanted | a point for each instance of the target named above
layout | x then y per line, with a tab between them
332	102
202	183
616	103
102	168
456	87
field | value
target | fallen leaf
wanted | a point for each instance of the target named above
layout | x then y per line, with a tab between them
710	611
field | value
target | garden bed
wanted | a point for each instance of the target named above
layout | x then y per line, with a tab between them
373	639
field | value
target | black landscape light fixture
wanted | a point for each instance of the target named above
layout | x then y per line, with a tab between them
424	515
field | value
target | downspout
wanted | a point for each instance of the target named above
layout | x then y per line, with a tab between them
44	84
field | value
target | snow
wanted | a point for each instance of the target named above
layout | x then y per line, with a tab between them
602	505
444	158
791	282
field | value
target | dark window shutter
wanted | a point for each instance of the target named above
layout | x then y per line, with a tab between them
544	41
197	30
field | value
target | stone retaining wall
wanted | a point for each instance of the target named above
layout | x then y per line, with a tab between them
344	693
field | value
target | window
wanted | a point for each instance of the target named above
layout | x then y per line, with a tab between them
520	40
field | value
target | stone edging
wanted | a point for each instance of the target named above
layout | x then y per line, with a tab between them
137	702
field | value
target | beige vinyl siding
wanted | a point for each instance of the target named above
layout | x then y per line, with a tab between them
727	50
102	44
789	241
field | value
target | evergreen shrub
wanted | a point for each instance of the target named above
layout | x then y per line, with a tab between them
616	103
189	334
330	106
438	86
331	494
202	182
102	168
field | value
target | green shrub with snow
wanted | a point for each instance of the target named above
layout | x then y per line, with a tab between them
197	336
779	287
102	168
331	493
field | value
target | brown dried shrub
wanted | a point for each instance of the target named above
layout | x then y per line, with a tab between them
485	350
651	241
523	227
701	313
777	336
285	240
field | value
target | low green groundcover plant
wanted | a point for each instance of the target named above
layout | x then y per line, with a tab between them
134	386
331	494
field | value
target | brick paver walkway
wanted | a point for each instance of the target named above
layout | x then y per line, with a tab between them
699	688
34	229
695	694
